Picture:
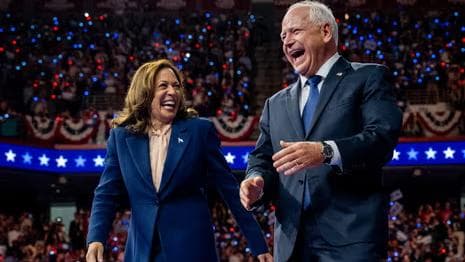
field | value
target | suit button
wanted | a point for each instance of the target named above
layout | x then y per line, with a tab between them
301	182
157	202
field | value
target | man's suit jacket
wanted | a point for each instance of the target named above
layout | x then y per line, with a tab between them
179	210
358	111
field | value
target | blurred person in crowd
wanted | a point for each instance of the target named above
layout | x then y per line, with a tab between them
456	87
4	107
57	234
458	238
322	145
426	213
26	221
445	212
164	157
76	232
13	234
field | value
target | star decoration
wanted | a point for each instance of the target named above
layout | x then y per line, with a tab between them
430	154
53	160
61	161
395	155
44	160
245	157
412	154
449	153
27	158
230	158
10	156
80	161
98	161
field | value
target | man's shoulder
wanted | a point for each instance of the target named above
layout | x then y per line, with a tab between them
283	92
362	67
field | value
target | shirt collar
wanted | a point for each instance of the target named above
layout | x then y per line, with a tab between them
323	71
160	132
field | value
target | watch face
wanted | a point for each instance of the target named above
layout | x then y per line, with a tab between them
327	152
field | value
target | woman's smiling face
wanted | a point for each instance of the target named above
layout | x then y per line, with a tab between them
167	96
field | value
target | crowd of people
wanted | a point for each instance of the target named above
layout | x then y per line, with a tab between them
28	238
431	232
56	64
60	65
36	239
424	51
428	232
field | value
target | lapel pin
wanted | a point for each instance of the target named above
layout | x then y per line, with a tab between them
180	140
339	74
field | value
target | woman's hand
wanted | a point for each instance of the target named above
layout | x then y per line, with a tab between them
95	252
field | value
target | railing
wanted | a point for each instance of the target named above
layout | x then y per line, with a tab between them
420	96
104	101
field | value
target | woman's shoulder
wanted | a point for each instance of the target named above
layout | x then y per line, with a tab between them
201	122
121	131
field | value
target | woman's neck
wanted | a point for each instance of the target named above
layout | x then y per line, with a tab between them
158	125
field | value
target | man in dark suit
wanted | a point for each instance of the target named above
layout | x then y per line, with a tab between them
322	145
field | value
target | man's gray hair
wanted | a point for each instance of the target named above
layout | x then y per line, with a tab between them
318	14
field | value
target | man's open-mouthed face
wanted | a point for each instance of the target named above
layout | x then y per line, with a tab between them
304	43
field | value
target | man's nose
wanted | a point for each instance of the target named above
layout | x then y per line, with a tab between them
288	41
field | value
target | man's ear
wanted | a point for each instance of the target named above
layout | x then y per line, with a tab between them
326	33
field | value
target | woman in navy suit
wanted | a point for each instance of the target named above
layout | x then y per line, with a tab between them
163	158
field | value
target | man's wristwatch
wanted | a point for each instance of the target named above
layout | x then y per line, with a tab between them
327	153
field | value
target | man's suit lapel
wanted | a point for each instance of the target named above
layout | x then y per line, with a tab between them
335	75
292	106
178	143
138	146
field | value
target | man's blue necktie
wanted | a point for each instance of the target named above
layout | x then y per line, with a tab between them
312	101
307	116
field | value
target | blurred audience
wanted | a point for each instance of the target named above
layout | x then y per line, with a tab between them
428	232
69	62
61	66
424	50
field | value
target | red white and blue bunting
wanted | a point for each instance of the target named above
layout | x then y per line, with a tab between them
233	130
59	130
96	129
76	131
431	122
41	128
440	123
